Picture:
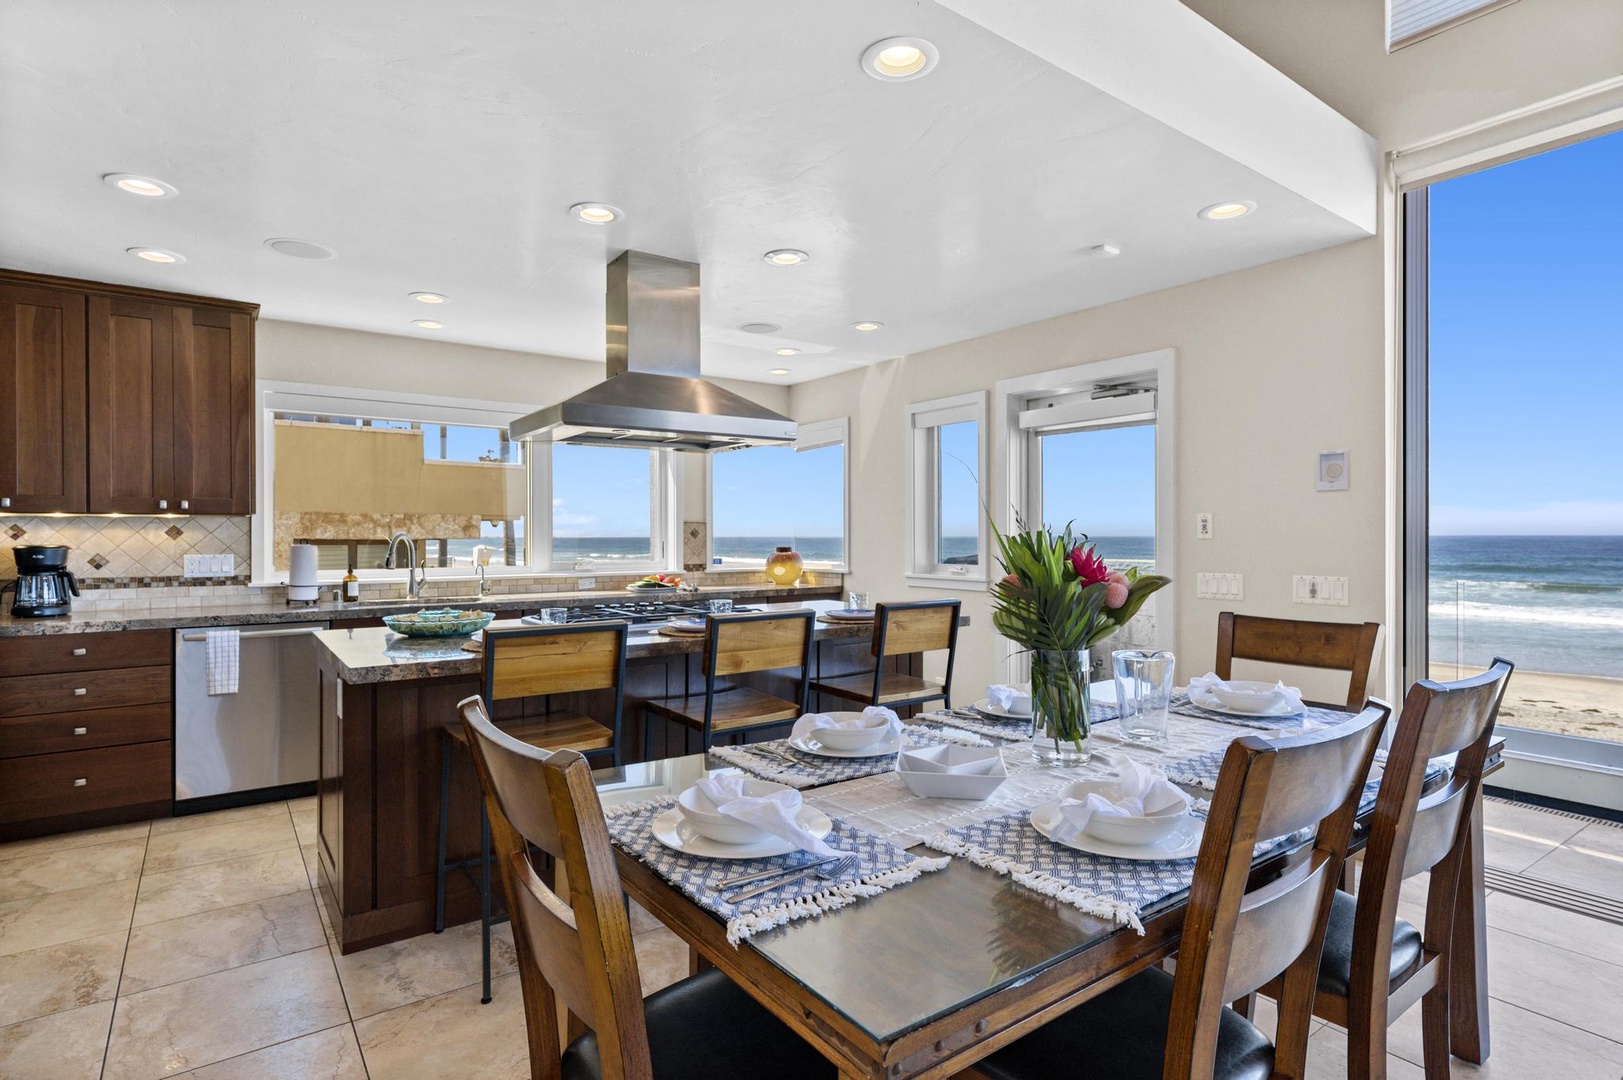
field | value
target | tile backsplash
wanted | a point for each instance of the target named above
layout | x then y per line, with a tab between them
120	551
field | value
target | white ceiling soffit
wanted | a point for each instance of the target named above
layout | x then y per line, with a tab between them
437	147
1167	62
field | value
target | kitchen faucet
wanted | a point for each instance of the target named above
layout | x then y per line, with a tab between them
415	579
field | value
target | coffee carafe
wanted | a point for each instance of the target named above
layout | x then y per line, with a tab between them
45	585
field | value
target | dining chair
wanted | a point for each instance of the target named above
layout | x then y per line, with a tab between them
1375	966
1239	931
916	627
736	645
575	949
524	662
1348	647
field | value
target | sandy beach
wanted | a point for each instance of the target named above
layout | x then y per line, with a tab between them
1583	705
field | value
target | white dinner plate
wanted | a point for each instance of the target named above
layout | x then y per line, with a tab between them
1211	704
669	829
985	707
810	745
1183	843
692	626
846	614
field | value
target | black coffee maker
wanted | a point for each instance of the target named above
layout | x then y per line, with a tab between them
44	582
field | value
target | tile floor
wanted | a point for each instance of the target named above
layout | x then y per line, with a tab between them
195	947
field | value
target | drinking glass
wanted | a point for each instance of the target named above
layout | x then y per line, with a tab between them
1143	692
858	601
721	607
554	616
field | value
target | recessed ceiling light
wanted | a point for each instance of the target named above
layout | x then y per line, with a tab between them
144	186
427	324
866	326
299	249
1103	251
596	213
1227	211
779	371
156	255
898	59
760	328
429	297
787	352
785	257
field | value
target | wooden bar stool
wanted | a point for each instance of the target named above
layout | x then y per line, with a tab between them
735	645
899	629
526	662
1348	647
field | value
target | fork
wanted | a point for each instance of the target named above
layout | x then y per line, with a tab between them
831	870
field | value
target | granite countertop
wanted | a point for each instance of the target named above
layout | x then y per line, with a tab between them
261	613
375	654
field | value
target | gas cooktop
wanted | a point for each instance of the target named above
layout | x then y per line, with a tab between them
645	612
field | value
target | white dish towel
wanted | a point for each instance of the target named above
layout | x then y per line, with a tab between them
224	651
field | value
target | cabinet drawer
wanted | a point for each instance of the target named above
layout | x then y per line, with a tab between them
48	785
56	732
37	655
30	695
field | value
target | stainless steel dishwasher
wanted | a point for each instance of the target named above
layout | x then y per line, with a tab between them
259	743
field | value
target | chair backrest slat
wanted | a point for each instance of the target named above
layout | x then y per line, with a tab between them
1348	647
763	642
920	626
1274	925
1436	827
574	948
531	661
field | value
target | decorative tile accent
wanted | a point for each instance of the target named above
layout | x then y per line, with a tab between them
695	546
16	532
131	550
174	532
98	561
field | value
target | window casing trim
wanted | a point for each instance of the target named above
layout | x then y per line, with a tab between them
921	497
808	436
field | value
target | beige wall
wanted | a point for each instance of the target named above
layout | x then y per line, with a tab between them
1274	363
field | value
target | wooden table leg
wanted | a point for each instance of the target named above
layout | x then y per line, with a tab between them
697	962
1468	955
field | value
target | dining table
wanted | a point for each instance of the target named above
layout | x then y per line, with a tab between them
923	978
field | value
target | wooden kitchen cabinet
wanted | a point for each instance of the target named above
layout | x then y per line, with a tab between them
131	365
213	432
42	400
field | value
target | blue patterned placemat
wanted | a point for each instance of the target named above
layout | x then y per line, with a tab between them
1007	730
1182	706
882	865
1202	772
777	760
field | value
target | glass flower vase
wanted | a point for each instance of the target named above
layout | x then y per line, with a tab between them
1061	707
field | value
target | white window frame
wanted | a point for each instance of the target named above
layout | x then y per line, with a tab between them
272	397
922	496
808	436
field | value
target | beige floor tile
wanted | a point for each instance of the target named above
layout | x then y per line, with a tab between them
1516	836
224	1015
306	803
214	843
450	1037
1565	986
35	922
1525	1046
1327	1057
327	1055
174	893
218	817
312	865
67	841
1566	929
641	920
193	945
62	1046
61	977
389	976
59	870
304	821
662	959
1591	860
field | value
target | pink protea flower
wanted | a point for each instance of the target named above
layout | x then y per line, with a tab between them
1090	569
1115	589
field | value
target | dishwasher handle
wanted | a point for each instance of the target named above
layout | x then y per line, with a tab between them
249	634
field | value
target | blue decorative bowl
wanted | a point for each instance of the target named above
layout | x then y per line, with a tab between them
438	622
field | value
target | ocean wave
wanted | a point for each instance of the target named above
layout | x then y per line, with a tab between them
1470	611
1443	586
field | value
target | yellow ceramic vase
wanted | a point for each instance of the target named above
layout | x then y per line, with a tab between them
784	566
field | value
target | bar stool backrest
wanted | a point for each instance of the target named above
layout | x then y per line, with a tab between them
532	661
758	641
918	626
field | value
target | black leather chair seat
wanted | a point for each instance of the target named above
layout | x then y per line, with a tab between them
1122	1035
706	1028
1335	965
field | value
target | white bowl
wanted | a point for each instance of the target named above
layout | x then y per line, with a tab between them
1250	697
875	730
973	777
1127	831
700	812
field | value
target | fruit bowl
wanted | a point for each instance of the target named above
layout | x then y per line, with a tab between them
438	622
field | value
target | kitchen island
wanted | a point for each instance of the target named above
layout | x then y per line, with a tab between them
385	700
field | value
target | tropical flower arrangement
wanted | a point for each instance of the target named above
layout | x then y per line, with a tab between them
1057	599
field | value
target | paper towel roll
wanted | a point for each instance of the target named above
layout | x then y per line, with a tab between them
301	573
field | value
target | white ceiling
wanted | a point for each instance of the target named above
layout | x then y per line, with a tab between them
438	146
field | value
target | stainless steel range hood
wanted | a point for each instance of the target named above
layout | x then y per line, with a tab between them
653	397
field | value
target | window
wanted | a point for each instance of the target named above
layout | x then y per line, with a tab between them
767	496
605	510
947	515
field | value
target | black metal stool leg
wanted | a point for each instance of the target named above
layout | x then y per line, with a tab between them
445	832
484	900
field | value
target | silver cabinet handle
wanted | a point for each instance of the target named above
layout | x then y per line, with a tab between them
81	782
81	731
185	505
163	504
5	500
249	634
79	691
81	652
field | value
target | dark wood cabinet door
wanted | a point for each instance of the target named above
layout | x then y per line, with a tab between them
213	411
42	401
131	353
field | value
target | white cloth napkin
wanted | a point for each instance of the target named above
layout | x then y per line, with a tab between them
775	813
1141	790
1201	685
224	661
876	717
1008	698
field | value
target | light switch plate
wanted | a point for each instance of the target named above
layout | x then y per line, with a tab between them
1317	589
1219	586
209	566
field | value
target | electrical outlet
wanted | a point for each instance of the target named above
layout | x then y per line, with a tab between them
586	584
1220	586
209	566
1316	589
1203	526
192	566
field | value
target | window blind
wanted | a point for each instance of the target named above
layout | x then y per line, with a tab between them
1409	21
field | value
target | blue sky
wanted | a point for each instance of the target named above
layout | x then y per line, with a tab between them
1527	346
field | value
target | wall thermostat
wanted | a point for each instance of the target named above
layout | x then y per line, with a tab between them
1333	470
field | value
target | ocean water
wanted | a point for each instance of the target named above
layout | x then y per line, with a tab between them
1549	603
